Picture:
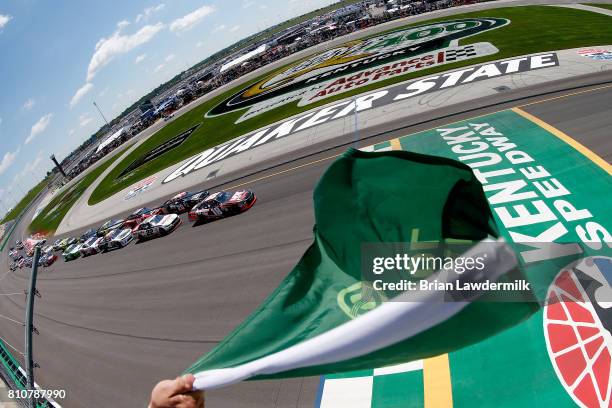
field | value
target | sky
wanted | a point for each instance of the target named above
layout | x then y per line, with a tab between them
60	56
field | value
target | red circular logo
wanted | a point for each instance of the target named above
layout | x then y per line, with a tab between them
577	327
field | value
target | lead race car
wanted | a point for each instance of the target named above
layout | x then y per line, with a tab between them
156	226
183	202
222	204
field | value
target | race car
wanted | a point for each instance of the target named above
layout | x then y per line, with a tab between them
72	252
87	234
21	263
47	259
13	266
15	255
137	217
183	202
222	204
108	226
117	238
156	226
19	245
28	261
91	246
57	245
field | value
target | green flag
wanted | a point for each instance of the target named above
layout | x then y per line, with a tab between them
380	197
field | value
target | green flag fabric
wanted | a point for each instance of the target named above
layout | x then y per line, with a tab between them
369	197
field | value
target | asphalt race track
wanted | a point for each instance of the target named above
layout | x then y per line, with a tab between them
112	325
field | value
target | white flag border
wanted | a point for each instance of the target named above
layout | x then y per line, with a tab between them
384	326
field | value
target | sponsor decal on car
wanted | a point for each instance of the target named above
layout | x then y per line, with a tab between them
140	187
596	54
381	56
364	102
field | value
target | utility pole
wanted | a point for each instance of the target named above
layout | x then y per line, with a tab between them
29	326
101	114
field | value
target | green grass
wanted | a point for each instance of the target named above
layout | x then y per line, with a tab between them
606	6
53	214
532	29
25	201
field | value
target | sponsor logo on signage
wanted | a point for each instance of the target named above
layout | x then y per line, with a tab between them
358	299
363	78
366	101
578	330
596	54
383	56
159	151
140	187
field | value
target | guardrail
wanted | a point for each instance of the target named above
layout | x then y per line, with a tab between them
11	371
14	377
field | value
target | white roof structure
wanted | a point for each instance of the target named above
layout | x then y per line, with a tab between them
110	139
245	57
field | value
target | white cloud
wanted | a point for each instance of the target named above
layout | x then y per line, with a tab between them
7	161
159	67
234	28
4	19
109	48
103	92
247	3
140	58
218	28
29	104
122	24
169	58
71	132
39	127
199	44
188	21
148	11
80	93
84	120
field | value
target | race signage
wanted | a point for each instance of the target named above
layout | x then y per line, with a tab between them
596	54
361	62
159	150
139	187
366	101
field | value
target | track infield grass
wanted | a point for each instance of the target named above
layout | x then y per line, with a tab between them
532	29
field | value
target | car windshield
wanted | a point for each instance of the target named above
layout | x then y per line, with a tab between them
223	197
114	233
155	219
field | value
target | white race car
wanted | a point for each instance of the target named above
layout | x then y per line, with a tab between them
91	246
156	226
116	239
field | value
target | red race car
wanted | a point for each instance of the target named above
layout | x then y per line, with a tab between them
222	204
137	217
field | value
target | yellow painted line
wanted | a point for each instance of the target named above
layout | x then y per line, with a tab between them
567	95
283	171
437	387
395	143
567	139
